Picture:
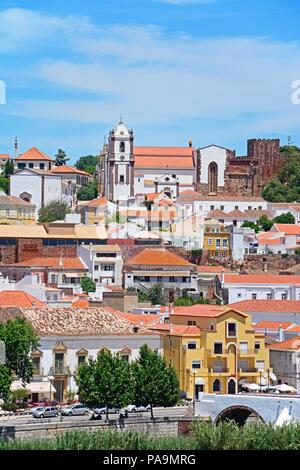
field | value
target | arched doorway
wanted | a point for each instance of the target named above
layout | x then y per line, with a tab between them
216	385
213	177
239	414
231	386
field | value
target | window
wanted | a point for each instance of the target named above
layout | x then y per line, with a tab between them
236	208
36	365
125	357
210	242
42	166
191	322
224	242
7	212
260	365
259	208
254	296
218	242
192	345
21	166
269	296
59	360
81	360
212	208
96	267
218	348
53	278
122	146
257	345
239	295
231	330
30	165
243	346
107	267
249	208
196	365
283	296
216	385
122	179
221	208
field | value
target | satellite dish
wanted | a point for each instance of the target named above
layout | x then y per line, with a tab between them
273	376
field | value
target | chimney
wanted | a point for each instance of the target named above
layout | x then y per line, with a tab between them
280	334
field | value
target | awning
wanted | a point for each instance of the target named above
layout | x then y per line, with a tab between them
33	387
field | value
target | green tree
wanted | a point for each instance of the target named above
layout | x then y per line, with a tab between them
250	224
265	223
107	380
55	210
88	192
88	163
20	340
6	379
9	168
4	184
184	301
156	295
87	284
61	158
287	218
156	380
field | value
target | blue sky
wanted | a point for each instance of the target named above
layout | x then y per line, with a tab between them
214	71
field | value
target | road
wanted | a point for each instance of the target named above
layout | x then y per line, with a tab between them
28	419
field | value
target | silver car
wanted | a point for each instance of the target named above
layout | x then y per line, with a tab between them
75	410
46	412
136	408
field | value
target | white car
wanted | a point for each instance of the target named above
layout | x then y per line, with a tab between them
136	408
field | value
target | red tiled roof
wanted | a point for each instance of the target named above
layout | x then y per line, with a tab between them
158	257
177	330
4	155
164	157
295	329
141	319
291	344
99	201
237	214
34	154
68	169
18	298
217	213
53	262
288	229
261	279
81	303
280	306
272	325
151	196
211	269
199	310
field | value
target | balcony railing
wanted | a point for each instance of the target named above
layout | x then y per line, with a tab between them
58	370
247	370
245	352
219	370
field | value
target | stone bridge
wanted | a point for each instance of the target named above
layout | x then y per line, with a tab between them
266	408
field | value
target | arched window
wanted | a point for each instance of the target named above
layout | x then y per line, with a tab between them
122	146
217	386
212	177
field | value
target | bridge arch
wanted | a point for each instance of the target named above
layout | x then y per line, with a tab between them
239	414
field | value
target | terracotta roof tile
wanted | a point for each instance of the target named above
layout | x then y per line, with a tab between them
272	325
141	319
164	157
291	344
211	269
199	310
54	262
34	154
177	330
288	229
4	156
100	201
261	279
158	257
277	306
68	169
18	298
76	321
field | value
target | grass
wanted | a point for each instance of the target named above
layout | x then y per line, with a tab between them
205	436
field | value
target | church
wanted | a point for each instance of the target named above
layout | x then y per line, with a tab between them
127	171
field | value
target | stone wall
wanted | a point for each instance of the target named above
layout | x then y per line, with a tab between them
159	427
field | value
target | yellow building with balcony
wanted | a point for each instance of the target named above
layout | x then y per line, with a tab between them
216	238
214	349
14	210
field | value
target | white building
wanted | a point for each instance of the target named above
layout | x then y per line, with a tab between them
238	287
243	241
105	263
38	187
68	336
33	159
285	361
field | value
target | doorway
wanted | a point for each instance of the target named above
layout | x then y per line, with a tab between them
231	386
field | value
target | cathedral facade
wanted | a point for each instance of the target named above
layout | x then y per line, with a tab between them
127	171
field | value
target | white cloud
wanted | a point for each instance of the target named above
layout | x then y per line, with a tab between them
152	76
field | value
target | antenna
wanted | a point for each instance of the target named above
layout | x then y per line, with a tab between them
16	146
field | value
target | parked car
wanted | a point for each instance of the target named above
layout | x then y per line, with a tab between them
137	408
101	410
46	412
36	408
75	410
